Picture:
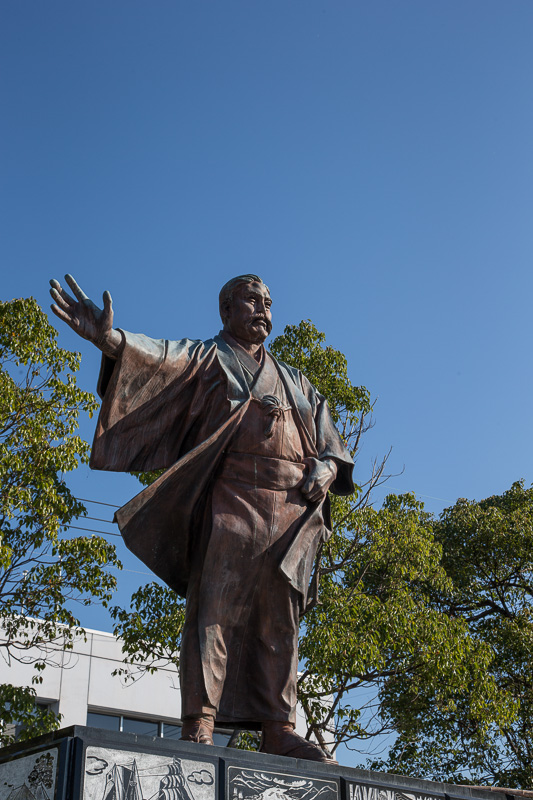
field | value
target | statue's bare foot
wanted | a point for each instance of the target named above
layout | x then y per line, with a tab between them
280	739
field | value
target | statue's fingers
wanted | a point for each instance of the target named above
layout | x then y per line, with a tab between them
80	294
108	302
60	300
63	315
316	492
317	497
306	486
64	295
311	496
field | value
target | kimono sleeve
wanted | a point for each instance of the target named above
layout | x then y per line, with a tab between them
146	395
329	443
318	427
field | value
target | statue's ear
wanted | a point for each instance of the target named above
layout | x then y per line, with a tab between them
225	310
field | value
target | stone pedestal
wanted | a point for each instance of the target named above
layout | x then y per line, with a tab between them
80	763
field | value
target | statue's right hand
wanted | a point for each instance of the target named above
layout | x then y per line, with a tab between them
83	316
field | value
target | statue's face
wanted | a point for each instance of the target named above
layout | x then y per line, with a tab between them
249	315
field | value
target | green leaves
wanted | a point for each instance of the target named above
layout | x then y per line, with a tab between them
42	570
18	706
488	555
476	724
377	631
303	346
150	629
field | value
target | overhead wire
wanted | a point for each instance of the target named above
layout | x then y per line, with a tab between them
105	533
98	502
92	530
99	519
96	519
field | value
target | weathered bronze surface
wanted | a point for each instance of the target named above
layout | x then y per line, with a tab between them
234	523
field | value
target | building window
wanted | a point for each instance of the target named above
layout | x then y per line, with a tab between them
171	731
108	721
145	727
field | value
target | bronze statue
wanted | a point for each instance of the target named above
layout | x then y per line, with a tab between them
234	523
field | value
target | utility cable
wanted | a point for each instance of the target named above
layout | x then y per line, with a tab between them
98	502
91	530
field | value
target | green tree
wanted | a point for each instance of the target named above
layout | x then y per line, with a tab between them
43	570
376	626
488	558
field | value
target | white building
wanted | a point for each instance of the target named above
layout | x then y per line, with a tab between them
79	684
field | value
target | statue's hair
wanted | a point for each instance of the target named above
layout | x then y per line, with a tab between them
226	293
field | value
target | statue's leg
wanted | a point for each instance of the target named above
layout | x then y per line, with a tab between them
249	613
197	709
197	713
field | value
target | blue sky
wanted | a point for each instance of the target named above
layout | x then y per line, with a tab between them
372	161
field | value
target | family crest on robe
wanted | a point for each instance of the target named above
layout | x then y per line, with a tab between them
177	406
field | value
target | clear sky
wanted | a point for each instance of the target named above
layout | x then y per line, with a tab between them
372	161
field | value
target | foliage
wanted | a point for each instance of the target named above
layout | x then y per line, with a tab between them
488	558
18	705
377	633
380	638
302	346
42	570
150	629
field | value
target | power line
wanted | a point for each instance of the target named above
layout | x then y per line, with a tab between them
98	519
102	533
417	494
136	571
98	502
92	530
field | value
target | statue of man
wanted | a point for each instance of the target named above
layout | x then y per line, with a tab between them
249	451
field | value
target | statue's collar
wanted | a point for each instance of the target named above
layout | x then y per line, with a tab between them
237	384
247	360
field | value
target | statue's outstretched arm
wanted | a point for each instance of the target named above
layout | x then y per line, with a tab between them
85	318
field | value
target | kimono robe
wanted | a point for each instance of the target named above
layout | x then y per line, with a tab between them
226	524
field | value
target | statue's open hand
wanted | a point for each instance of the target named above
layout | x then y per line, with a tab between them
318	479
83	316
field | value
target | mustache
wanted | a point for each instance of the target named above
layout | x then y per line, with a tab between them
262	318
